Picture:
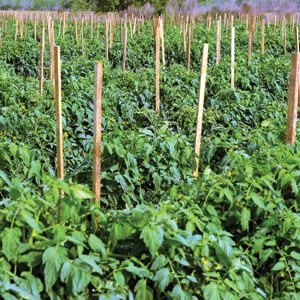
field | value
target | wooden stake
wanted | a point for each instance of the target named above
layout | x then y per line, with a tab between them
34	28
293	99
58	110
97	132
232	56
157	63
124	49
218	42
82	36
41	86
189	48
200	109
263	37
106	38
162	40
75	32
250	35
297	39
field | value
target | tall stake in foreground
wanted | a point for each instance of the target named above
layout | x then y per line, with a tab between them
293	99
97	132
157	64
200	109
59	130
41	86
232	56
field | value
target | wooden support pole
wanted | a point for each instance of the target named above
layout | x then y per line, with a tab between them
97	132
162	40
232	56
106	38
75	32
218	54
111	37
297	39
124	49
250	36
157	64
82	36
200	109
263	37
189	48
293	99
58	110
34	25
41	83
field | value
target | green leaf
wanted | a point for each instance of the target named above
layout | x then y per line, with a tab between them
162	278
257	200
279	266
121	231
119	278
211	292
53	259
157	181
143	292
27	216
295	255
140	272
4	177
159	262
11	242
265	123
35	169
81	192
92	261
245	218
75	277
120	179
153	237
179	294
97	245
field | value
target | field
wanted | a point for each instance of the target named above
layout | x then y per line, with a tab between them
157	232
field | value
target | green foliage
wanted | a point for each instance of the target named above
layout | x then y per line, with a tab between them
161	234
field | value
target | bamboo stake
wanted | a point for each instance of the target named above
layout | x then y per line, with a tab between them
293	99
232	56
124	49
41	86
157	63
200	109
97	132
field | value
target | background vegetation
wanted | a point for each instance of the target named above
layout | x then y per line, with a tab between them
158	6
